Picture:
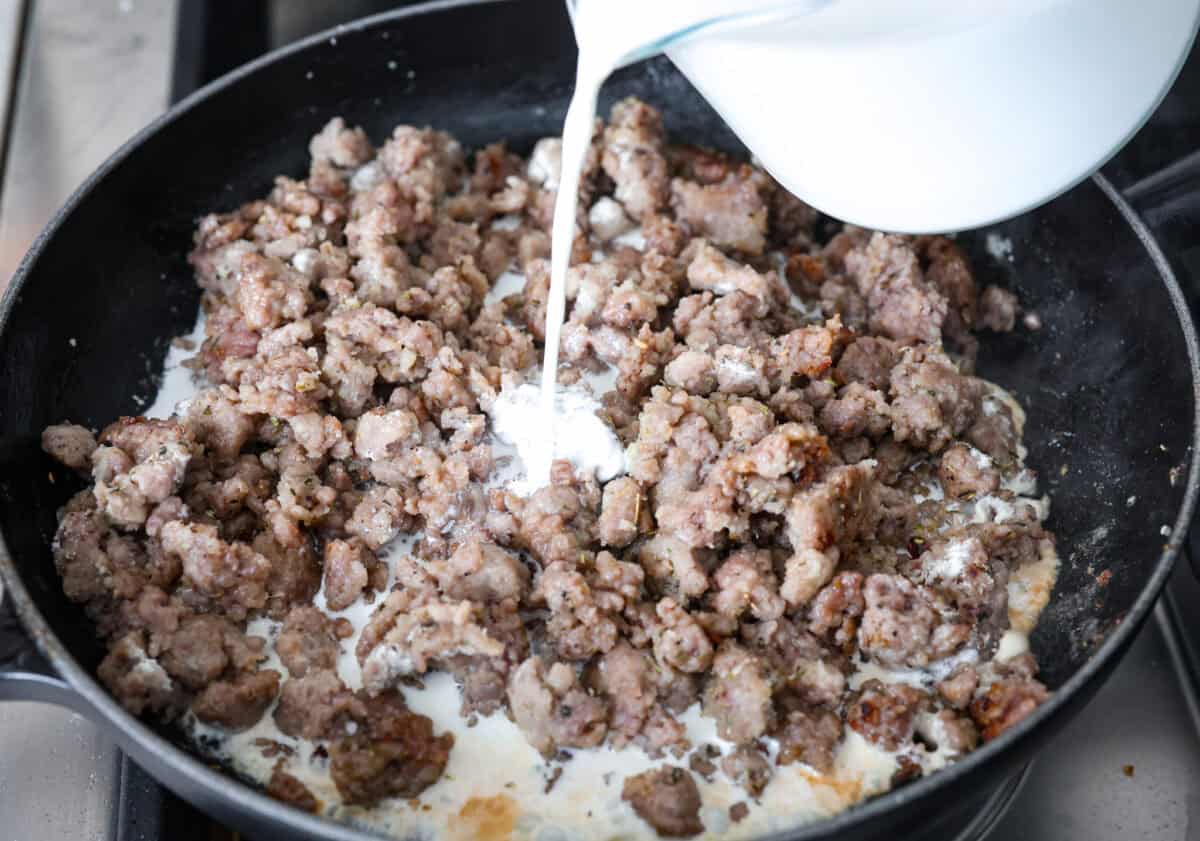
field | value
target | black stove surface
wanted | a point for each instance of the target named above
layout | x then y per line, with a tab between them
1128	766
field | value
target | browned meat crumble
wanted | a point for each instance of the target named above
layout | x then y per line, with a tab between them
786	403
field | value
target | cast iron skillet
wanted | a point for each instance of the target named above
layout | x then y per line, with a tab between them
1110	380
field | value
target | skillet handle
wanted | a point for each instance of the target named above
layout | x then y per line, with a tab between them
1169	202
24	673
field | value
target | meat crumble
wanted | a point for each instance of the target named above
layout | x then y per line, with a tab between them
819	495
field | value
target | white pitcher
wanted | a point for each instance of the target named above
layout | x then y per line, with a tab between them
915	115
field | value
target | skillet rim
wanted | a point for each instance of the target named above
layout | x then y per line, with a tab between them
220	786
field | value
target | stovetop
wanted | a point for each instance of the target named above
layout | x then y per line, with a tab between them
89	74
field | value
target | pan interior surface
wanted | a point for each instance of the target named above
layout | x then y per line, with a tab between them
1105	380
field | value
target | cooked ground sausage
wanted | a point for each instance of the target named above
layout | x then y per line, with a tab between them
1007	700
667	799
806	452
885	713
394	753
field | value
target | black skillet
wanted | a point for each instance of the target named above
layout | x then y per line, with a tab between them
1109	381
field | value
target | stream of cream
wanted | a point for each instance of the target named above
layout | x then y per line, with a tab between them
577	139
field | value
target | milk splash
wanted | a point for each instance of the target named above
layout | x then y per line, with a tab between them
580	436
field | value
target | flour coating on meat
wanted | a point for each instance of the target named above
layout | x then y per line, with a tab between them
816	502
